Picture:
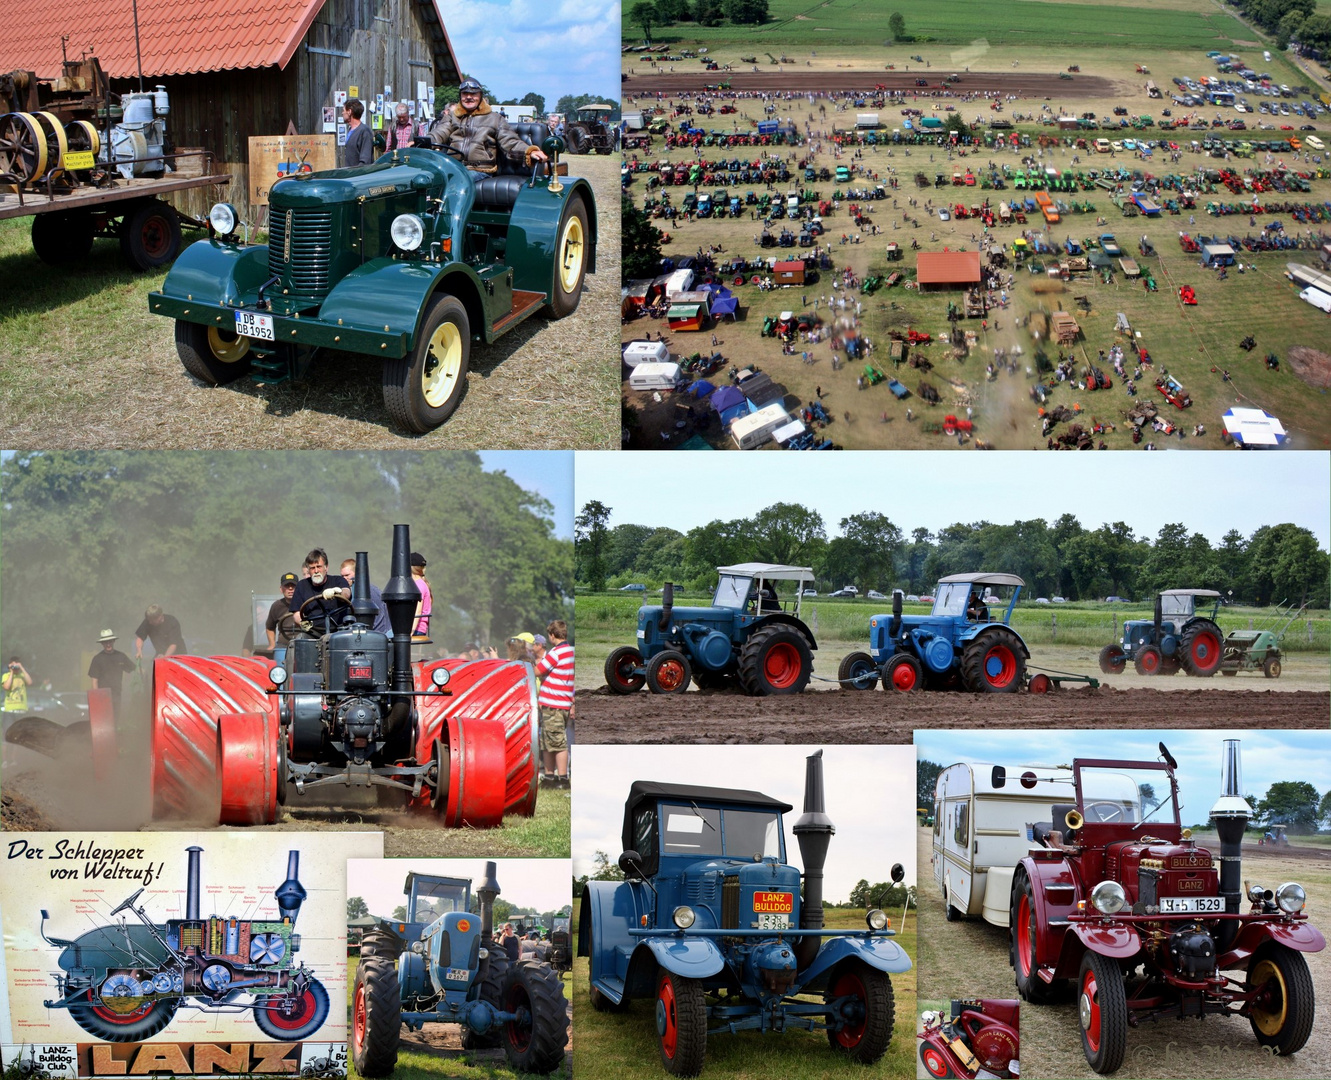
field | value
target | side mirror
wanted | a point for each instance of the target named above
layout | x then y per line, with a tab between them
1169	758
898	872
631	863
44	914
998	777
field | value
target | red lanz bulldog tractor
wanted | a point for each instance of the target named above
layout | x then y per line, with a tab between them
235	735
1117	895
978	1041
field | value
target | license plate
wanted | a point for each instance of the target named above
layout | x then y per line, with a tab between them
773	922
251	324
1201	905
458	975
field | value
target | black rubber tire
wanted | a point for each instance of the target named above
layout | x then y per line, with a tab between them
491	989
950	913
689	1019
196	346
404	395
264	1022
1112	999
879	1012
1147	656
973	658
533	987
668	658
150	235
1029	984
145	1027
1194	634
63	237
1291	1030
380	945
617	682
1113	659
375	1053
1270	668
753	656
576	139
711	680
860	667
564	301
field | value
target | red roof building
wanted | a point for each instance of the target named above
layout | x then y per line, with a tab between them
948	269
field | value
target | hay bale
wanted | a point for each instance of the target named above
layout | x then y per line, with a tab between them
1039	325
1310	365
1046	286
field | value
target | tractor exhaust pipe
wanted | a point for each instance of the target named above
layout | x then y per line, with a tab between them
291	893
400	597
192	885
1230	817
667	604
1159	617
361	604
894	627
814	831
486	893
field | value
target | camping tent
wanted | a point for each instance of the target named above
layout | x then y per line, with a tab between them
1254	427
701	389
729	403
726	306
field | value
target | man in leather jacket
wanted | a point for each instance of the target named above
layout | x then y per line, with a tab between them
479	133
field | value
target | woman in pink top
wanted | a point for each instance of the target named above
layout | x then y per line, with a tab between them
422	627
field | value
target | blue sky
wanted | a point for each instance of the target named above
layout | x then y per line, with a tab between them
1211	492
1267	756
541	883
554	47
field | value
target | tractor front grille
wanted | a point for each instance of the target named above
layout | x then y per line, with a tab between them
300	246
730	902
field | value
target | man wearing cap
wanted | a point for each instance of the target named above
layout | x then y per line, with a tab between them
108	668
280	608
478	134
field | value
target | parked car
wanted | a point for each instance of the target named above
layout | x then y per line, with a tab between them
1042	599
1117	600
635	587
874	594
1060	600
912	599
809	592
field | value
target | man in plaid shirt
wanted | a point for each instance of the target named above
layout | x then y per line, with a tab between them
555	672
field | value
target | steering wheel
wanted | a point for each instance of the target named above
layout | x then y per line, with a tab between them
327	616
1111	811
128	902
451	151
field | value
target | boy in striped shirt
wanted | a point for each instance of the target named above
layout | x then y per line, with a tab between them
555	672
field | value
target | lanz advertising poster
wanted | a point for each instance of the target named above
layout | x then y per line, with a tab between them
175	953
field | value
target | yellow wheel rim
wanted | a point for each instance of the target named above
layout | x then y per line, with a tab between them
571	254
90	133
443	365
58	130
1270	1021
38	141
227	349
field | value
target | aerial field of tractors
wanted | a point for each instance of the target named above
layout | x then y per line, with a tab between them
802	201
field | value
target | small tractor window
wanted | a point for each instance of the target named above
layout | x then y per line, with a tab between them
644	833
750	834
437	898
1176	605
691	832
732	591
951	599
961	834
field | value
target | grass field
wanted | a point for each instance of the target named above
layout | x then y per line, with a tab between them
613	1046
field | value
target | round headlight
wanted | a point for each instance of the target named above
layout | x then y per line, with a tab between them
483	954
876	918
418	947
408	232
440	676
684	916
278	675
223	218
1290	898
1108	898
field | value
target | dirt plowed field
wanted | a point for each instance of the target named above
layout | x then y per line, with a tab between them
1026	84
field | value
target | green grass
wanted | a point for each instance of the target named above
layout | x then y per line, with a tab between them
1077	623
611	1046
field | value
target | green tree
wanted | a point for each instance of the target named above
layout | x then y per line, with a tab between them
400	913
644	14
896	23
1316	31
1295	803
589	537
357	908
1324	809
788	533
866	551
448	95
603	869
926	780
640	242
746	12
535	100
954	122
707	12
672	11
718	543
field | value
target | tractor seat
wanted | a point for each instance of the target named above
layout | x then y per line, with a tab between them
500	192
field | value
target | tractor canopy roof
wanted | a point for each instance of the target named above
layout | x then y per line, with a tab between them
1209	594
983	579
434	885
596	108
649	791
771	571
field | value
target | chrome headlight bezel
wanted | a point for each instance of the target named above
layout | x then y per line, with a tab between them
1291	898
877	919
278	675
408	232
223	218
684	916
1108	898
440	676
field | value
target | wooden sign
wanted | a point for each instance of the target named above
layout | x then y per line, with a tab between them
273	157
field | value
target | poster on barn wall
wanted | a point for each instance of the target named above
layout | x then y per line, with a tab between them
273	157
178	953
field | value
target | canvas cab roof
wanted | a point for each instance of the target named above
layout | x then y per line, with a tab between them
771	571
1209	594
983	579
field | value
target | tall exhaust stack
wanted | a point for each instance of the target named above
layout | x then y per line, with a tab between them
400	598
486	892
192	884
361	604
814	831
1230	816
291	893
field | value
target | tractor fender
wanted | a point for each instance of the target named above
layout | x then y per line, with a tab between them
970	635
692	958
787	620
213	272
390	296
533	234
413	977
609	910
1056	891
1302	936
1120	942
880	953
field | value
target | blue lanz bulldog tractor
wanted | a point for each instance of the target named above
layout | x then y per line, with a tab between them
443	966
965	640
710	922
747	634
1177	637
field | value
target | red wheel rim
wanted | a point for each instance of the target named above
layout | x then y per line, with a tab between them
306	1006
667	1019
519	1036
934	1062
852	1032
904	678
156	237
1000	666
1090	1010
624	670
670	675
781	665
1150	662
1025	947
358	1020
1205	650
1040	684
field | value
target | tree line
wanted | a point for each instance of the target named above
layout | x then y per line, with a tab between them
1289	20
567	103
1060	558
648	14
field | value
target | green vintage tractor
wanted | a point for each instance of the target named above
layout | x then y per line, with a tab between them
409	260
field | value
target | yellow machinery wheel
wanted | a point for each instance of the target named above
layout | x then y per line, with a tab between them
22	147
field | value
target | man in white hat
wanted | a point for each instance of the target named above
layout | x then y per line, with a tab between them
108	668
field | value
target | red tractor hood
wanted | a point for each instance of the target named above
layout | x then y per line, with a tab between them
1179	869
